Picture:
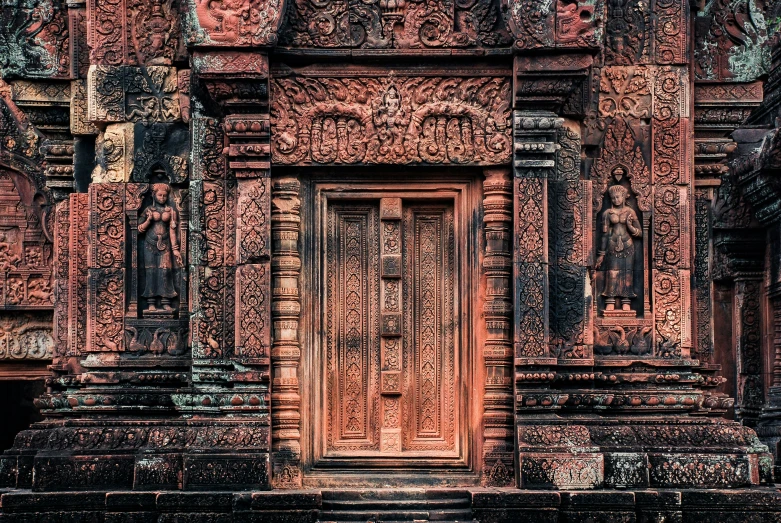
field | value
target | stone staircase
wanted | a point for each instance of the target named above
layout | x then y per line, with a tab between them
396	505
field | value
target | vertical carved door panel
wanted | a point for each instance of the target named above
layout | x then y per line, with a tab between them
352	339
428	330
390	321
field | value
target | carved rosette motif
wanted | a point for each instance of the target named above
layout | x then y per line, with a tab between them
106	268
400	120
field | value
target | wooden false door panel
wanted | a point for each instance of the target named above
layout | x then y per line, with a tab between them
390	329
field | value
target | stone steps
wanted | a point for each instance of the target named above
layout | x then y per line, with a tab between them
396	506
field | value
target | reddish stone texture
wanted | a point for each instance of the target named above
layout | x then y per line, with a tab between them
297	251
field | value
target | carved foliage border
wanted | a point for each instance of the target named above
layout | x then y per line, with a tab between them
61	271
671	242
106	265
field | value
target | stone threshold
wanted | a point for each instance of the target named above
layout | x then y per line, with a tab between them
757	505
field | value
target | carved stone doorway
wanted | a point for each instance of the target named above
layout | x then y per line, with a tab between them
391	333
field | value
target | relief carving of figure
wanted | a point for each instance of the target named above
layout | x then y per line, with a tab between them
160	249
390	121
8	258
617	252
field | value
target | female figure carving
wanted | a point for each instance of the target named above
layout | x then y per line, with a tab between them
161	249
617	252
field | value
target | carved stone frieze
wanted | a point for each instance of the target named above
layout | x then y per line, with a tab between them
394	24
26	337
729	37
233	24
402	119
557	24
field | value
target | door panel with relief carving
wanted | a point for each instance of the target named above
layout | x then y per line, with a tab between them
389	328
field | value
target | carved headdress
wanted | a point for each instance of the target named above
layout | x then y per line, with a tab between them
621	157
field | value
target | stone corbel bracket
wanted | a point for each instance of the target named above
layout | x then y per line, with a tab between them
551	82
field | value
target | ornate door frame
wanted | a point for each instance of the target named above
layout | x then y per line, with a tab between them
437	117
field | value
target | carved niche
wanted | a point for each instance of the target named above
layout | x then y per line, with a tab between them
621	210
401	119
137	283
157	311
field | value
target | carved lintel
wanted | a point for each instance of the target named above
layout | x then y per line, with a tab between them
398	120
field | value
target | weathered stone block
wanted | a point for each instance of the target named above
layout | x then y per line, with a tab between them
158	471
82	472
562	471
226	471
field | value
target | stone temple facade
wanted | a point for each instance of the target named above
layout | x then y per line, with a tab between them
392	260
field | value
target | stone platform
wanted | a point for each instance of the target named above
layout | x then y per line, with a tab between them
389	505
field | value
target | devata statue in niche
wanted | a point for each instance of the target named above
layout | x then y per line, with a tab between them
160	251
617	251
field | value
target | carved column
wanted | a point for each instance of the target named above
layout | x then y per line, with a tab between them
232	280
570	232
286	346
748	351
534	161
718	110
498	455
